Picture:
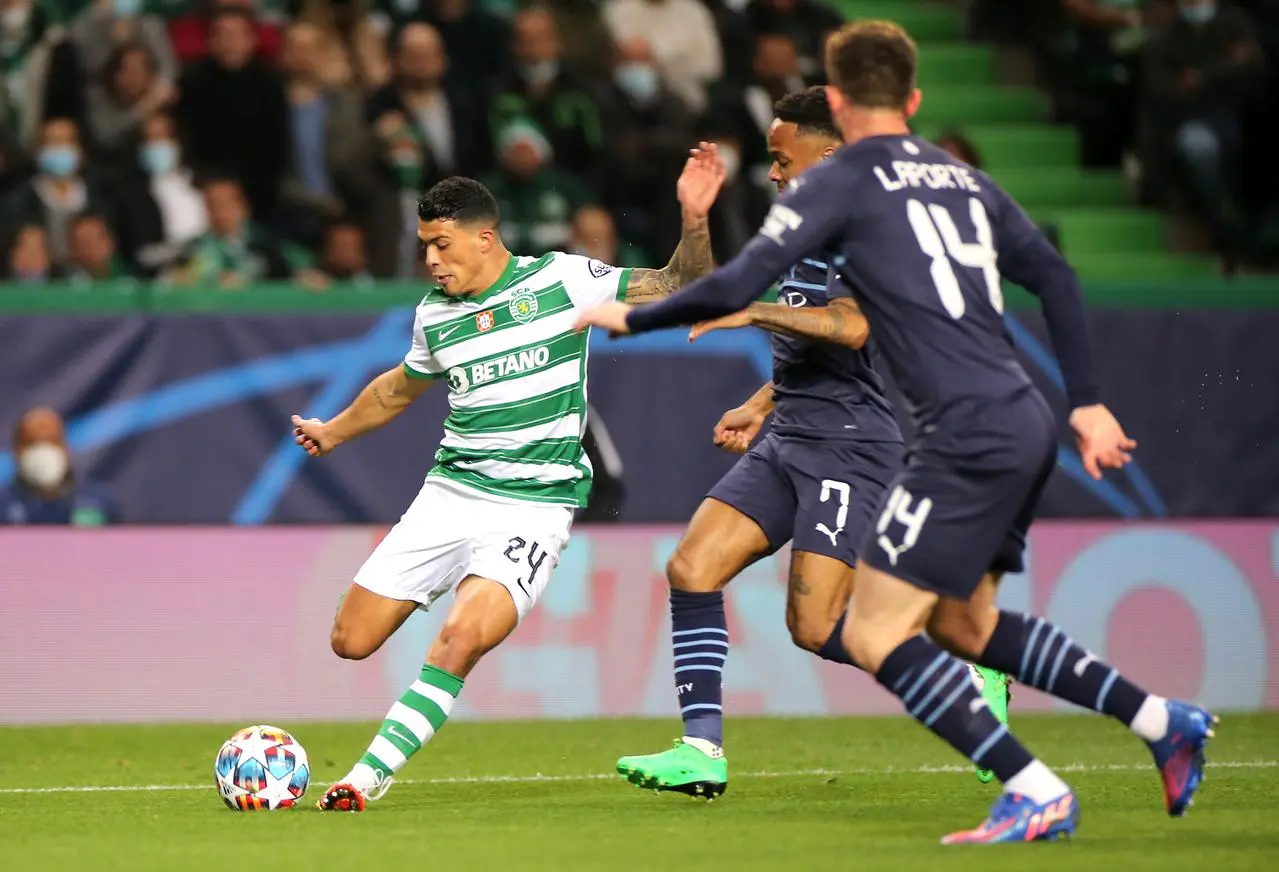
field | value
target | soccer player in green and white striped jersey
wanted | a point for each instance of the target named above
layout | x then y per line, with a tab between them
495	510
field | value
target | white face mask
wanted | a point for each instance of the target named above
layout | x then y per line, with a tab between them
43	465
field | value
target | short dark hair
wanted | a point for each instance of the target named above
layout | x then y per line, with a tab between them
459	199
872	63
809	111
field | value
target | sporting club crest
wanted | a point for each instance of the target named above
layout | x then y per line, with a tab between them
598	268
484	321
523	306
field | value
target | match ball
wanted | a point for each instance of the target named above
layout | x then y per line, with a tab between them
261	768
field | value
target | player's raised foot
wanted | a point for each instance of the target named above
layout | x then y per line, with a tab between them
996	691
1180	754
684	768
1016	818
348	795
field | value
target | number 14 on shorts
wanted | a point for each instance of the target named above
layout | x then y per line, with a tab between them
899	509
534	555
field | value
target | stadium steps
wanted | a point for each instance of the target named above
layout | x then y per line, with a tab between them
1038	162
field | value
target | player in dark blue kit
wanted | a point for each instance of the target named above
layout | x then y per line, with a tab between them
925	239
815	480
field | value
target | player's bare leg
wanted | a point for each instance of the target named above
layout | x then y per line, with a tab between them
482	615
964	627
817	593
720	542
365	620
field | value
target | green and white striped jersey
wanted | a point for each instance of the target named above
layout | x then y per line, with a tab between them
516	373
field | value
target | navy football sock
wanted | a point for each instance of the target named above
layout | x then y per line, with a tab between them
1042	656
939	693
700	643
833	648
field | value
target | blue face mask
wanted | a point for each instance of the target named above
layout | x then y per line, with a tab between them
638	80
159	157
59	161
126	8
1200	14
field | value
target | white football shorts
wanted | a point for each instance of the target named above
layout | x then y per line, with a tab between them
450	532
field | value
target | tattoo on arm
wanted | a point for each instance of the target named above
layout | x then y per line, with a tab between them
841	322
377	395
692	260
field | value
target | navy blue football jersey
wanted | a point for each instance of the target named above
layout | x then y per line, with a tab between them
924	239
823	390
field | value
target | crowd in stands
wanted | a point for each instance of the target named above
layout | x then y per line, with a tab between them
1182	94
224	142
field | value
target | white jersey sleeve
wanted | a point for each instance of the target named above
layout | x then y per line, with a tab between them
419	362
591	282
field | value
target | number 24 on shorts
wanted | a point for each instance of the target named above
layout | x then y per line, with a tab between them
534	556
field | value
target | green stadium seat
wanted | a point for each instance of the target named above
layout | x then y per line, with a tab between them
923	21
1107	230
948	64
956	105
1121	266
1055	187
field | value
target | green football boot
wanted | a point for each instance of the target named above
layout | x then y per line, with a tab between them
996	690
684	769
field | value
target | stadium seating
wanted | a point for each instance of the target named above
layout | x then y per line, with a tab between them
1038	162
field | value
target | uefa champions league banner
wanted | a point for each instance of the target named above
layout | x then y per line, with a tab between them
226	624
185	417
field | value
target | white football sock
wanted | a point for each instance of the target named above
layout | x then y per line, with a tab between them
1151	722
1037	782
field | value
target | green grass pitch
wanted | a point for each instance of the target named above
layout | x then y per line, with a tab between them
805	794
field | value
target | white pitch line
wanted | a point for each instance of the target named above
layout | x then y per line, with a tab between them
947	769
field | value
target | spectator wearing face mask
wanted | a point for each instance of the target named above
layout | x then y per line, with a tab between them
649	131
685	43
232	114
60	189
103	27
1202	73
161	210
94	257
40	72
549	91
46	490
537	198
29	262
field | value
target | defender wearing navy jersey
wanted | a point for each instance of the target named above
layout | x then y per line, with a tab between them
814	480
925	241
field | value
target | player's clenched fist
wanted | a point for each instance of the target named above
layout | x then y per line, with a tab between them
313	436
738	428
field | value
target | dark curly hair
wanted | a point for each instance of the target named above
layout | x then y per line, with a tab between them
809	111
459	199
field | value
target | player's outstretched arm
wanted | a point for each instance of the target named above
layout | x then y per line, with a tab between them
801	221
382	399
840	322
692	260
1028	259
698	185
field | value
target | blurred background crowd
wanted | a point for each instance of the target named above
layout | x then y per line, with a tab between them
224	142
